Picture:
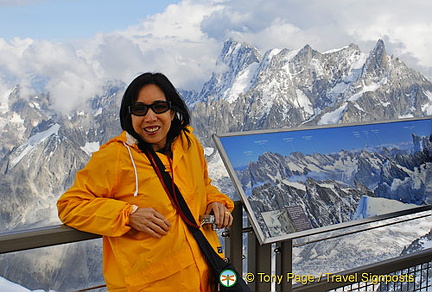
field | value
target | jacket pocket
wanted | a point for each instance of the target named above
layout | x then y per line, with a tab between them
160	270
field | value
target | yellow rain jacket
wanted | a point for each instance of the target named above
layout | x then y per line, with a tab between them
118	176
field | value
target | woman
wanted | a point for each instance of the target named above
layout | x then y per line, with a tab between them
146	244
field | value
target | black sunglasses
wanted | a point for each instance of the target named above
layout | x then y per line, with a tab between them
141	109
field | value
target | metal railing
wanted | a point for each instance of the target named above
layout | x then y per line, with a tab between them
268	259
412	272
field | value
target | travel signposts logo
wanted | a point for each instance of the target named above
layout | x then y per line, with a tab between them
228	278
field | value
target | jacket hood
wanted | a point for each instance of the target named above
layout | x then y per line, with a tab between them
130	142
124	137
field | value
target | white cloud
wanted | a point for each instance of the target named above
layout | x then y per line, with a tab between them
174	43
56	67
405	26
184	41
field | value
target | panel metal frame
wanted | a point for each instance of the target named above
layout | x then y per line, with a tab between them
257	229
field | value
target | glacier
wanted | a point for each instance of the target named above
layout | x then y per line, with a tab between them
32	142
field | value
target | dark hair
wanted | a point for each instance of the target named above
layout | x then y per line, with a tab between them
181	117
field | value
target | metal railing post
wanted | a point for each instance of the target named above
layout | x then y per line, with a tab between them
259	263
284	264
234	240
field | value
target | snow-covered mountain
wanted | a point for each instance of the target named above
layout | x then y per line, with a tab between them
422	243
287	88
42	149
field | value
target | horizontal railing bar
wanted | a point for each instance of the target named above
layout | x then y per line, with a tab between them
382	268
41	237
90	288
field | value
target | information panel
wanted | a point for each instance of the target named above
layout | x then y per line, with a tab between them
296	182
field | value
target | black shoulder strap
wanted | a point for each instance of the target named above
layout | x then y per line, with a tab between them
171	189
182	207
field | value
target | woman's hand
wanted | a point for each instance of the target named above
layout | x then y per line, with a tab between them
222	215
149	221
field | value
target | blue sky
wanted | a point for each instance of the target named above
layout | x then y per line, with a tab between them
60	20
246	148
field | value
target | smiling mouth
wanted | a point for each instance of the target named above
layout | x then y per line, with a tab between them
151	129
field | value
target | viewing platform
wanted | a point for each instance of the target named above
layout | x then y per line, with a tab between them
266	267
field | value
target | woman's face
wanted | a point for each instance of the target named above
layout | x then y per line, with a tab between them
153	128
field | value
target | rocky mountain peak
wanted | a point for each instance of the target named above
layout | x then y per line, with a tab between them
238	55
377	63
233	60
305	55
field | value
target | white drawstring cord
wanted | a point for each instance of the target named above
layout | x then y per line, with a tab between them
135	170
